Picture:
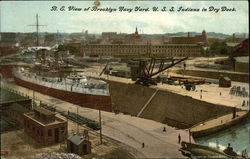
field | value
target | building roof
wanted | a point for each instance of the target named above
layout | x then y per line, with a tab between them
142	44
44	111
75	139
241	49
7	96
243	59
19	108
227	78
58	120
231	44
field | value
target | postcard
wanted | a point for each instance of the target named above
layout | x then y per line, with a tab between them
124	79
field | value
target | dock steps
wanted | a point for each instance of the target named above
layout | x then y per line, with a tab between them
146	104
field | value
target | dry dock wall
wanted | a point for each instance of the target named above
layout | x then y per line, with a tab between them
166	107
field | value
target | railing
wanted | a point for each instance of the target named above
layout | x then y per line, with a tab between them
62	86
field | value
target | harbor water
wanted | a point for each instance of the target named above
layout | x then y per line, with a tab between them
238	136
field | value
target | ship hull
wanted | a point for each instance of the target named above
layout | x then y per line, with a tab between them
84	100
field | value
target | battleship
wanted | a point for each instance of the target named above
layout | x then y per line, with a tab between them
50	75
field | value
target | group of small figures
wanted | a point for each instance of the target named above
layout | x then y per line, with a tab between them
238	91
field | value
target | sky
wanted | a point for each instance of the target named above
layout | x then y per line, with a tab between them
15	16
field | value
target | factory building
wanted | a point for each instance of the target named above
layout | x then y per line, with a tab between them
135	45
126	50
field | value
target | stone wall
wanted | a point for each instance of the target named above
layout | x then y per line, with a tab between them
242	67
166	107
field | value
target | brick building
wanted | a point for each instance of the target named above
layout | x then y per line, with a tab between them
239	57
224	81
134	45
125	50
241	49
12	109
16	112
197	39
8	48
45	127
8	36
241	64
109	35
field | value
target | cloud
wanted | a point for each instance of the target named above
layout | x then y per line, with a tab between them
150	22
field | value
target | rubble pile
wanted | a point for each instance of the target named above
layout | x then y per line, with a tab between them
54	155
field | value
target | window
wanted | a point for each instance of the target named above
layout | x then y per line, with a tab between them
49	132
62	130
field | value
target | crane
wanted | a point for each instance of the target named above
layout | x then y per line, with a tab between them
142	70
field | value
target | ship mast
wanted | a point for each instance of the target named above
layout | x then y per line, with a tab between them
37	25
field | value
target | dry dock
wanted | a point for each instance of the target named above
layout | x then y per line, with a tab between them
173	104
130	131
169	104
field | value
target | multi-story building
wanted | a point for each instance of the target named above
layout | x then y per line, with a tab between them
197	39
44	127
134	45
241	49
130	50
8	37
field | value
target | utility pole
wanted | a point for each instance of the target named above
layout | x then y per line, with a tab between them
100	121
68	117
37	25
189	133
150	52
33	102
0	26
58	37
77	121
37	29
0	81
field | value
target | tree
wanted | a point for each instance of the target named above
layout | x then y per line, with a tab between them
69	48
49	37
219	48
